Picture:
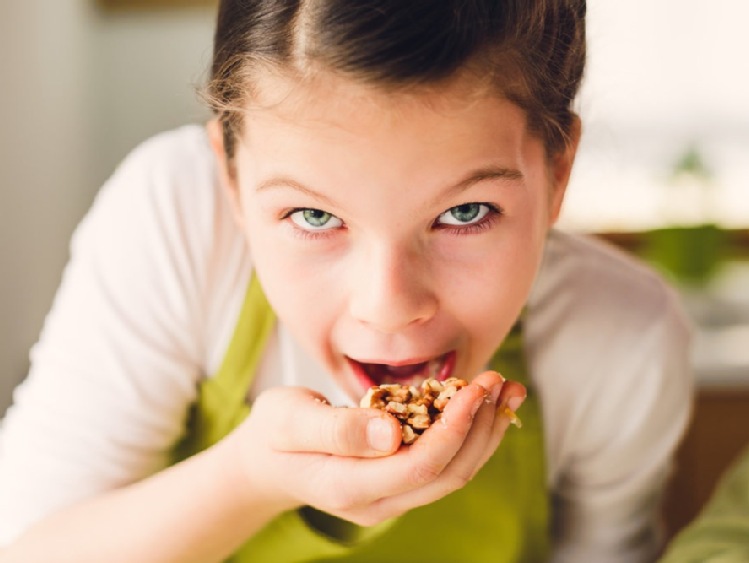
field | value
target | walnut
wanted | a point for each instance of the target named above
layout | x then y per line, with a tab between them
416	408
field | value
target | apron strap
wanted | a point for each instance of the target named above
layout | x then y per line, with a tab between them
222	399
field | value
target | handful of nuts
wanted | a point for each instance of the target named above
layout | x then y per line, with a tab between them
416	408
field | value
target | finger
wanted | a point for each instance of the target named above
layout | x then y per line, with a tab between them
480	442
511	397
464	464
507	399
371	483
486	433
310	424
439	444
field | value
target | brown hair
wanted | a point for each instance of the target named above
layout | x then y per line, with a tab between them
533	50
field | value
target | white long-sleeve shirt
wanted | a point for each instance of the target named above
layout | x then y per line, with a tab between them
149	301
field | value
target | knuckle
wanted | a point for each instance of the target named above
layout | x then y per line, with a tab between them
424	473
261	404
459	480
376	513
365	519
368	518
341	501
339	433
285	429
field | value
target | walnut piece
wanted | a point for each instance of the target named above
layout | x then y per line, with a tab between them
416	408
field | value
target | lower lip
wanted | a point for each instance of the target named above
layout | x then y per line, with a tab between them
361	376
448	366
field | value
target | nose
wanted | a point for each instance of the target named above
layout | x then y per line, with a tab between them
392	289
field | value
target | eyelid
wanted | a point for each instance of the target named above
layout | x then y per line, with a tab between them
492	208
450	219
310	233
494	213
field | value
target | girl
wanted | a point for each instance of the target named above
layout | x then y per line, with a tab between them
372	203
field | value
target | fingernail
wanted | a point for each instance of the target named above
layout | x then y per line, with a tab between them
515	402
496	390
380	434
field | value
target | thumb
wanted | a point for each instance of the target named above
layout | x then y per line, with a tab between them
311	424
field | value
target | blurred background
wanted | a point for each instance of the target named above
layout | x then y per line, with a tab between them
663	169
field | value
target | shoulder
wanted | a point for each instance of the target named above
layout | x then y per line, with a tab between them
174	162
188	141
164	196
601	327
595	307
161	233
585	283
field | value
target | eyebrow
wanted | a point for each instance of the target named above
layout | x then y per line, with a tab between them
286	182
480	175
472	178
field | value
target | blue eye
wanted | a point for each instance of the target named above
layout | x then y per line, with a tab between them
311	219
466	214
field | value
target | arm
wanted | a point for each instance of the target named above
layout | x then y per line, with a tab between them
204	508
629	419
199	510
120	354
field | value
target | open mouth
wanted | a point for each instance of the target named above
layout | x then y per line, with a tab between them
370	374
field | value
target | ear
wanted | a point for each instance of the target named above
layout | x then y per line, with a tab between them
226	169
561	168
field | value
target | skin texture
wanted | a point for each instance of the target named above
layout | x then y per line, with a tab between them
382	283
388	277
390	282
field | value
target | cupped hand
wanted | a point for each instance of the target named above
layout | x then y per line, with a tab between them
295	449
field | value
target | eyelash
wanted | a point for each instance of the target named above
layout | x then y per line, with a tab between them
302	233
495	212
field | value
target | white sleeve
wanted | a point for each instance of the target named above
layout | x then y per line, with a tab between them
621	440
120	353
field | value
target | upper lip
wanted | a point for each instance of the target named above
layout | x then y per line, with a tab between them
404	362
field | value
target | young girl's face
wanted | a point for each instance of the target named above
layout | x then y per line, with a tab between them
397	235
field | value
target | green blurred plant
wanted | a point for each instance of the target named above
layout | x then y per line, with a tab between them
690	253
692	164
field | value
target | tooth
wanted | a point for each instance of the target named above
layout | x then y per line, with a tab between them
433	368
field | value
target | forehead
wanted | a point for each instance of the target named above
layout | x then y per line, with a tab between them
323	95
335	134
329	107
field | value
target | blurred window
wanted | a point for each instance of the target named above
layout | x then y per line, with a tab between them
665	107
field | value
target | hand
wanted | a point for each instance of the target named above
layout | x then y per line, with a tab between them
295	449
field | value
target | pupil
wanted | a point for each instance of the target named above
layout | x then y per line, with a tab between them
466	212
316	217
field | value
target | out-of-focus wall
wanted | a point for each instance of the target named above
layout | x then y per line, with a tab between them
663	78
147	66
78	89
44	146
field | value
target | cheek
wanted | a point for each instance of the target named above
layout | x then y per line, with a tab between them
295	282
487	286
490	296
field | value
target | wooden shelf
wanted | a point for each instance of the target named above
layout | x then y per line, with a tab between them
737	241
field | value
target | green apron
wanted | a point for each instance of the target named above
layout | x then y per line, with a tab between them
502	515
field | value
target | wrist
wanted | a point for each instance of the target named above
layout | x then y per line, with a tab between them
243	481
